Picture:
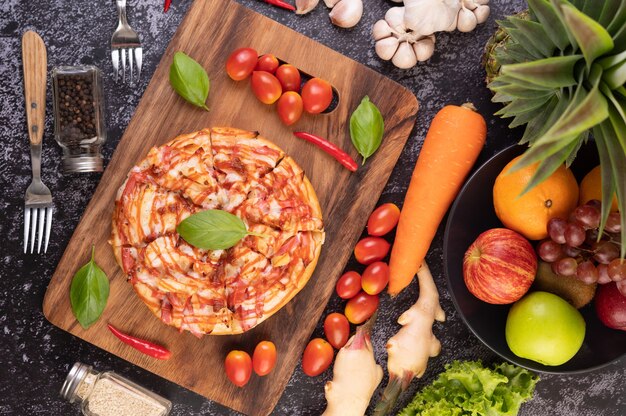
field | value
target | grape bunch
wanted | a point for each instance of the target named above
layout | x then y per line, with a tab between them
574	249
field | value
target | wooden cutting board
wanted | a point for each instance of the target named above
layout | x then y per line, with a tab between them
209	32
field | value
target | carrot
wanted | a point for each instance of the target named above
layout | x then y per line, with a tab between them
455	138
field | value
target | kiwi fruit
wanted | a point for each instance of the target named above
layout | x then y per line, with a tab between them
569	288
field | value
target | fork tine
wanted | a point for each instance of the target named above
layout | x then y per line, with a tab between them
115	57
130	64
42	212
123	65
48	226
26	227
138	60
33	230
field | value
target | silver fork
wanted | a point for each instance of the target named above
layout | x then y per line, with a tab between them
125	41
38	206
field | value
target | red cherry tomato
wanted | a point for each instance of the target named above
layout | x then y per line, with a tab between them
289	77
241	63
317	357
375	278
361	307
316	95
289	107
266	87
337	329
383	219
238	367
264	358
371	249
267	63
348	285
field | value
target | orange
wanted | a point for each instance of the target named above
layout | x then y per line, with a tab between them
591	188
529	214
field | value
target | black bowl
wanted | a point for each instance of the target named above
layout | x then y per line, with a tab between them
471	214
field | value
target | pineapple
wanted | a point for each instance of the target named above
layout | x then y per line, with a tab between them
560	69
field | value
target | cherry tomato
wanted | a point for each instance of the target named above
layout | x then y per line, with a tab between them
266	87
348	285
317	357
361	307
289	107
238	367
289	77
337	329
371	249
241	63
375	278
316	95
267	63
264	358
383	219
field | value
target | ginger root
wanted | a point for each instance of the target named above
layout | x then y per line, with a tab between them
410	349
355	376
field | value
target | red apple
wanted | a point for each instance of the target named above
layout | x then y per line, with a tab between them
611	306
499	266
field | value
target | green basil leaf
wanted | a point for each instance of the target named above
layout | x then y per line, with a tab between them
89	293
212	229
366	128
189	80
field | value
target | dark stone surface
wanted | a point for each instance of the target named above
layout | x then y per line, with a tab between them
35	356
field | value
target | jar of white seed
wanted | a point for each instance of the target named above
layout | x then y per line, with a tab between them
109	394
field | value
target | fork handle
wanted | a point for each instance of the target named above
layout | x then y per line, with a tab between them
35	61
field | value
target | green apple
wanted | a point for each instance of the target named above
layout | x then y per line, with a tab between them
545	328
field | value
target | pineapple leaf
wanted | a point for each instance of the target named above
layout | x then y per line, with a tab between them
535	128
525	42
608	12
615	76
619	126
593	39
521	92
619	39
592	9
504	81
541	150
551	22
557	8
512	53
570	158
522	105
621	90
606	174
555	72
535	32
524	118
613	60
617	105
618	19
547	165
500	97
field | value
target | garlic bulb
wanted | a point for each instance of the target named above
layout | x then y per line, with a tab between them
345	13
305	6
429	16
394	42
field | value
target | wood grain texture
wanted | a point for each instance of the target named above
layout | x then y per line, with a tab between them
35	62
207	35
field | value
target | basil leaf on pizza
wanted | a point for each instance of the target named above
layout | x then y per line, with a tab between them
89	293
213	229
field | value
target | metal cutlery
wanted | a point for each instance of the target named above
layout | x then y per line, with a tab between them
38	199
125	41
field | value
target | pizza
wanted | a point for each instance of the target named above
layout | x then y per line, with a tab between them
217	291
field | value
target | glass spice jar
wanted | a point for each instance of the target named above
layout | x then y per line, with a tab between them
109	394
79	116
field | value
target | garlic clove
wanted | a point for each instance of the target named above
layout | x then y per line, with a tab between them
346	13
404	58
395	19
381	30
386	48
331	3
481	13
467	21
429	16
453	25
305	6
468	4
424	48
482	2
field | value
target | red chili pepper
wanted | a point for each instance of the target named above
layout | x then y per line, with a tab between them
147	347
341	156
166	5
280	3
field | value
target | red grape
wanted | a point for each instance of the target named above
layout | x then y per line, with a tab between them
613	224
621	286
592	236
587	272
603	274
571	251
588	216
549	251
565	267
556	230
574	234
617	270
594	203
606	252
